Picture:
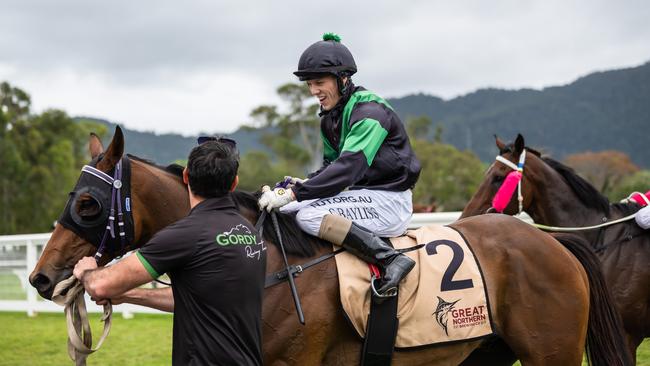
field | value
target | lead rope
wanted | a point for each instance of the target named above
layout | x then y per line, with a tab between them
79	333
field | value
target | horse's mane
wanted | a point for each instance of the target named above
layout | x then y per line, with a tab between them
296	242
174	169
586	193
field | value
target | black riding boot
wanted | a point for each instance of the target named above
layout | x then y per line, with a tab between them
393	265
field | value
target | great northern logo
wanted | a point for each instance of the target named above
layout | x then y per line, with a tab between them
442	312
242	235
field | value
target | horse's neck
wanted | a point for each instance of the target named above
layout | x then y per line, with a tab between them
160	199
556	204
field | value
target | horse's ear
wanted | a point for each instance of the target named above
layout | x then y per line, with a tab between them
519	144
500	145
114	152
95	145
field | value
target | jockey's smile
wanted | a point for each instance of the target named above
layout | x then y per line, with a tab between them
326	90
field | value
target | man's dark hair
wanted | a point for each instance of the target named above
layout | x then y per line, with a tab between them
212	167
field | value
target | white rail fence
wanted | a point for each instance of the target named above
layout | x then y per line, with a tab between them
19	254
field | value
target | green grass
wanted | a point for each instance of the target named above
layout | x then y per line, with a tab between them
10	288
642	355
144	340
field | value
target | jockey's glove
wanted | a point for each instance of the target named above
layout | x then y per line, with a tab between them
289	181
275	198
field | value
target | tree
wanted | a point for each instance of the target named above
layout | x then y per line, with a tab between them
637	182
418	127
449	177
14	104
41	156
294	136
604	169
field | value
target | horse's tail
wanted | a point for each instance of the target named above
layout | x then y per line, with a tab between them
605	336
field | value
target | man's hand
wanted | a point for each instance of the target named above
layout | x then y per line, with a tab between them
115	300
275	198
84	264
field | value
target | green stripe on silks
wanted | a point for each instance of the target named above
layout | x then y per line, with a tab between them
152	272
328	151
366	135
362	96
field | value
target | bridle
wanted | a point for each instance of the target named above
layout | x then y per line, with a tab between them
113	229
516	168
115	183
113	218
520	198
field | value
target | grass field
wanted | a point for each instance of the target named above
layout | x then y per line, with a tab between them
143	341
10	288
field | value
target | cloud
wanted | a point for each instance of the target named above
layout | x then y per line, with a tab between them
171	66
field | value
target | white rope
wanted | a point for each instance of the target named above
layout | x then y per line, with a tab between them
79	333
559	228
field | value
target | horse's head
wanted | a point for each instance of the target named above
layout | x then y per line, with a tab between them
92	206
495	177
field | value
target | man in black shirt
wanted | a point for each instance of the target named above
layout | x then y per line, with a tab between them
216	262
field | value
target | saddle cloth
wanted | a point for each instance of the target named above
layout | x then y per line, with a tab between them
442	299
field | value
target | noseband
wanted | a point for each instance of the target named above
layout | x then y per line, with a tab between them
514	178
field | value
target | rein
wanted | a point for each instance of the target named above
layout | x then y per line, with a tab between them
569	229
70	294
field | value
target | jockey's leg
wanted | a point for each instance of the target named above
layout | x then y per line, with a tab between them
355	219
369	247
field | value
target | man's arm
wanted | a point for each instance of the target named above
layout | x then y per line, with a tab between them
111	281
157	298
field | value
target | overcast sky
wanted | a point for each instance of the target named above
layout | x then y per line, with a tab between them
191	66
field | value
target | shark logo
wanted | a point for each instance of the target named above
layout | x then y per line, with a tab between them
442	310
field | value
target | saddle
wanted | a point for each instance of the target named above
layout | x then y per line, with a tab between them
443	299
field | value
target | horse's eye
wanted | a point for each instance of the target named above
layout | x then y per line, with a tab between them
87	207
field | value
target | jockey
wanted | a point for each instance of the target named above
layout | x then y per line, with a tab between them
362	192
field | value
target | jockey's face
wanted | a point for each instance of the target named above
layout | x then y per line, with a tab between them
326	90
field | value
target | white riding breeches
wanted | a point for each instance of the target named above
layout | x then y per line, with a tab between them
385	213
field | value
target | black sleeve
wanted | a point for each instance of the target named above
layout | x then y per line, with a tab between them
368	130
170	248
313	174
336	177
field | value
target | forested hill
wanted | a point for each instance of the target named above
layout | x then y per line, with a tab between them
169	147
604	110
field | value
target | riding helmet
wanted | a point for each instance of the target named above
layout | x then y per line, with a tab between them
328	56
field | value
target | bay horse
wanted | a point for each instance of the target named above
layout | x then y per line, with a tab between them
553	194
546	300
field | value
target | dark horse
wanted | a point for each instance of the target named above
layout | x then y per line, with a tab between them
547	305
554	195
